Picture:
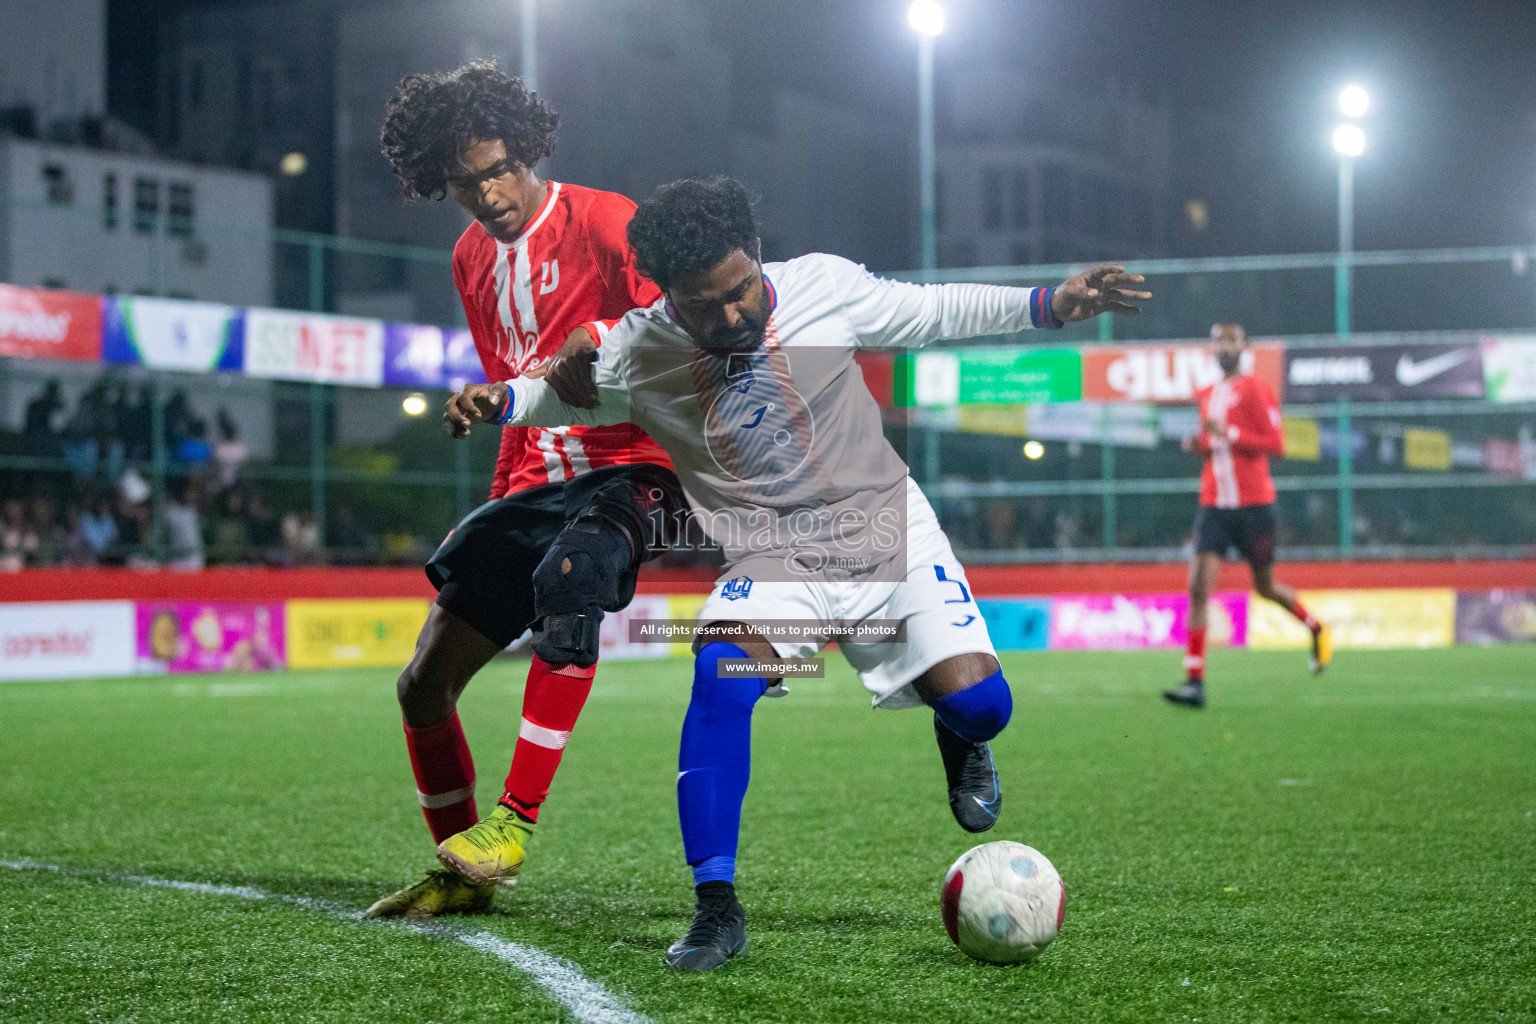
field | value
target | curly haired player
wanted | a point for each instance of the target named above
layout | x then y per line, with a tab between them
1239	431
573	510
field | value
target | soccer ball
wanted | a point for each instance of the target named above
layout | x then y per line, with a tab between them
1003	903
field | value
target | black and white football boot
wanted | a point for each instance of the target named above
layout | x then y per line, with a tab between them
719	930
975	796
1191	694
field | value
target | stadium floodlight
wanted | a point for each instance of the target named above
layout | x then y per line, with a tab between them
926	17
1033	449
1348	140
414	404
1354	101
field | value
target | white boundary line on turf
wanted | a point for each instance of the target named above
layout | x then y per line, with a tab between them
588	1002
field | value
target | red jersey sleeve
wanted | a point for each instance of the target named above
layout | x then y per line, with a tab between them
626	288
1257	430
1202	439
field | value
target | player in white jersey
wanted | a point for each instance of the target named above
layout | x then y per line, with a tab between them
745	374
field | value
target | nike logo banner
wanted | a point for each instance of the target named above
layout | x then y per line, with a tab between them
1383	372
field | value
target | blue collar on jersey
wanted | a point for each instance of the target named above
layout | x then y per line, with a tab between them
773	301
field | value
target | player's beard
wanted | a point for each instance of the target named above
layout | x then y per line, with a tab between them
1229	362
746	338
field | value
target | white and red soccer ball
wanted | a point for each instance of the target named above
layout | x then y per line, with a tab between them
1003	902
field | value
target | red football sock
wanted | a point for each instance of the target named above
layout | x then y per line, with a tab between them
445	776
1301	613
552	702
1194	655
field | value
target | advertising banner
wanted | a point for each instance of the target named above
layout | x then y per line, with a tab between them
323	633
1496	617
614	641
1167	373
1102	622
1384	372
461	363
1379	619
1509	369
413	356
987	376
1302	439
1124	424
37	323
1426	449
170	334
209	636
1018	625
310	346
66	640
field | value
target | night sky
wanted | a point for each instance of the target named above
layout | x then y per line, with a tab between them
1452	152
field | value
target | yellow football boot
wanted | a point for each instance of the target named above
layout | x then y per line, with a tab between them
491	852
1322	649
441	892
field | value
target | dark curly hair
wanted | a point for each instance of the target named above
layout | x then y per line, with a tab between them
432	119
691	225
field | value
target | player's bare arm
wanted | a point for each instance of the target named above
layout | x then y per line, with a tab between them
1106	288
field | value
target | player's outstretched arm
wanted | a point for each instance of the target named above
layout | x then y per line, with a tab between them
1106	288
472	404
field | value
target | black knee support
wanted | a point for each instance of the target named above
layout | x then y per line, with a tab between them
589	568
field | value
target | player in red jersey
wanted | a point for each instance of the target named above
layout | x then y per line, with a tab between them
573	511
1239	431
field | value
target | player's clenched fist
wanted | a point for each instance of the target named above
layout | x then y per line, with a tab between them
474	403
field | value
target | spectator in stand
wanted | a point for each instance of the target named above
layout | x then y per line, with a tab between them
136	423
263	525
71	547
41	440
194	450
301	538
18	540
346	541
98	529
229	452
229	532
109	439
183	525
81	442
42	516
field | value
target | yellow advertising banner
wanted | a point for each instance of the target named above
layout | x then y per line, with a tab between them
1002	420
1426	449
1301	439
325	634
1360	619
685	606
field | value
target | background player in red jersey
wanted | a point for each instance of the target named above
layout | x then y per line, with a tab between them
573	511
1239	431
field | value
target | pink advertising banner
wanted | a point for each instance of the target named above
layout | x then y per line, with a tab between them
209	636
1105	622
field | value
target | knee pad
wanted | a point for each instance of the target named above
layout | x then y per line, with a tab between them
977	713
586	570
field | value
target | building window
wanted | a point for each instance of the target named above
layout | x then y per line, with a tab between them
109	201
992	199
1021	205
1056	196
146	203
180	209
61	192
195	85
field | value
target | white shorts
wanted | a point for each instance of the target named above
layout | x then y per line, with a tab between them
935	602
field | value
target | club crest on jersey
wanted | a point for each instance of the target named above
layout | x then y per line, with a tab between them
741	385
551	277
736	589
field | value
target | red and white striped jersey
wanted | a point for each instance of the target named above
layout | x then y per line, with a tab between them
571	265
1237	462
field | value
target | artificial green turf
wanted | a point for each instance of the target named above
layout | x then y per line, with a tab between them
1360	847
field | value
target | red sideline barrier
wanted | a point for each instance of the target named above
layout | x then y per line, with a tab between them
987	580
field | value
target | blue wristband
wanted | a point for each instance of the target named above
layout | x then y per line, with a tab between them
1040	312
506	413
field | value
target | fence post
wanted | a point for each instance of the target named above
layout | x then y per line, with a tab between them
1111	510
317	399
1106	327
157	458
461	481
316	275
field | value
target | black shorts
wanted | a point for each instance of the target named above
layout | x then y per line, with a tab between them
483	571
1250	529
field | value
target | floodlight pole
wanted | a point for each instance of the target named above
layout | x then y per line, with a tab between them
529	66
925	155
1341	297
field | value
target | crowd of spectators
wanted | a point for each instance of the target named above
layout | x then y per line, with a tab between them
100	509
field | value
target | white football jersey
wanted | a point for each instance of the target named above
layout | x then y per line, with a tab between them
781	449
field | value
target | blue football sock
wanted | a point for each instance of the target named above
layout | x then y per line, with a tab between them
979	712
714	762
